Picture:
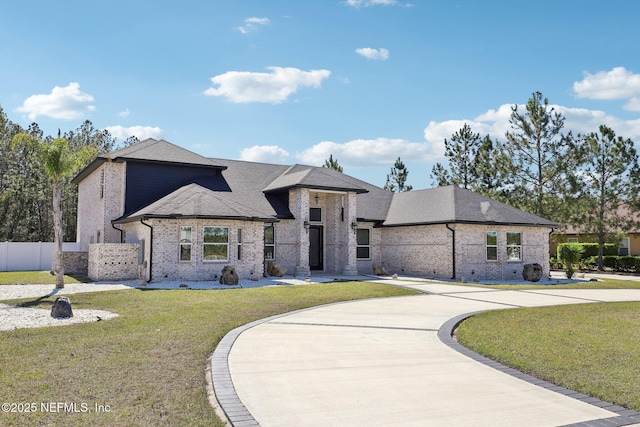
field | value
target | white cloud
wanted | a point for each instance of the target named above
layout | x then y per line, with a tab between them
264	154
496	123
253	24
619	83
274	87
124	113
65	103
140	132
371	53
367	152
367	3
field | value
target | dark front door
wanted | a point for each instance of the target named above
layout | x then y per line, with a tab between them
315	247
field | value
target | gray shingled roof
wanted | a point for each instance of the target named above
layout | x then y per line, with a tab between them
452	204
161	151
194	201
255	188
314	177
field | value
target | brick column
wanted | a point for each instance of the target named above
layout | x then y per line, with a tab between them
351	266
302	234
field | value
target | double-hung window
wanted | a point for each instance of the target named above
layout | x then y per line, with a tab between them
215	244
492	245
269	242
363	243
514	246
185	243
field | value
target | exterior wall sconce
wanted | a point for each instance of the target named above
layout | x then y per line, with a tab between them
354	226
306	225
316	198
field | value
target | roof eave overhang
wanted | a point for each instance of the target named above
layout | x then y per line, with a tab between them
489	223
135	218
317	187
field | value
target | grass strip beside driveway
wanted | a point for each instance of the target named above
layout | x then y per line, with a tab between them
148	365
36	278
590	348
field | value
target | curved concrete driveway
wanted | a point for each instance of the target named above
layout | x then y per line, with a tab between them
381	363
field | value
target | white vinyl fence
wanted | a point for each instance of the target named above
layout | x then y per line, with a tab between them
25	256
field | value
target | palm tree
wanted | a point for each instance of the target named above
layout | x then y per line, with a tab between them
59	162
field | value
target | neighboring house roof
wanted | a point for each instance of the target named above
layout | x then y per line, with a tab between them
194	201
256	191
452	204
623	211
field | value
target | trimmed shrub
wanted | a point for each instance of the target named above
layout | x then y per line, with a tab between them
611	262
591	249
627	263
570	254
589	263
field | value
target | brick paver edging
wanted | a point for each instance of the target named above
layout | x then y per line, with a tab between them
625	416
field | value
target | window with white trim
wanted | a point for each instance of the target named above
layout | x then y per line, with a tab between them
269	242
491	240
239	244
514	246
215	244
363	243
185	243
623	247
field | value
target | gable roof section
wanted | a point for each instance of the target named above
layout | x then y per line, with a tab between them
150	150
452	204
313	177
194	201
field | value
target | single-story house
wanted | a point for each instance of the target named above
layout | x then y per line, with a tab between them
182	216
627	237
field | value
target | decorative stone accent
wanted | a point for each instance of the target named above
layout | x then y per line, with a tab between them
379	270
61	308
532	272
229	276
275	270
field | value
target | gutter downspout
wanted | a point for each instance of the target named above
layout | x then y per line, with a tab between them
453	249
150	247
114	227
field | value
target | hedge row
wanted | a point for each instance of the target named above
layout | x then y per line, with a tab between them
627	264
591	249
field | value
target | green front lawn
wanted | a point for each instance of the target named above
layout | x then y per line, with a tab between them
35	278
590	348
147	367
600	284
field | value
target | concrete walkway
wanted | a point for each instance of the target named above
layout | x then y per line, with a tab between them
392	362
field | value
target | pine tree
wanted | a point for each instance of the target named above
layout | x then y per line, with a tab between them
397	179
610	179
538	151
332	164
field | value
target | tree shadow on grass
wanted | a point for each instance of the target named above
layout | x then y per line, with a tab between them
38	301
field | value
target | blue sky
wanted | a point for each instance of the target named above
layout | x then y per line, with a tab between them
289	81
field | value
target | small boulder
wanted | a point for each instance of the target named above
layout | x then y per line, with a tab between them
532	272
379	270
275	270
229	276
61	308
